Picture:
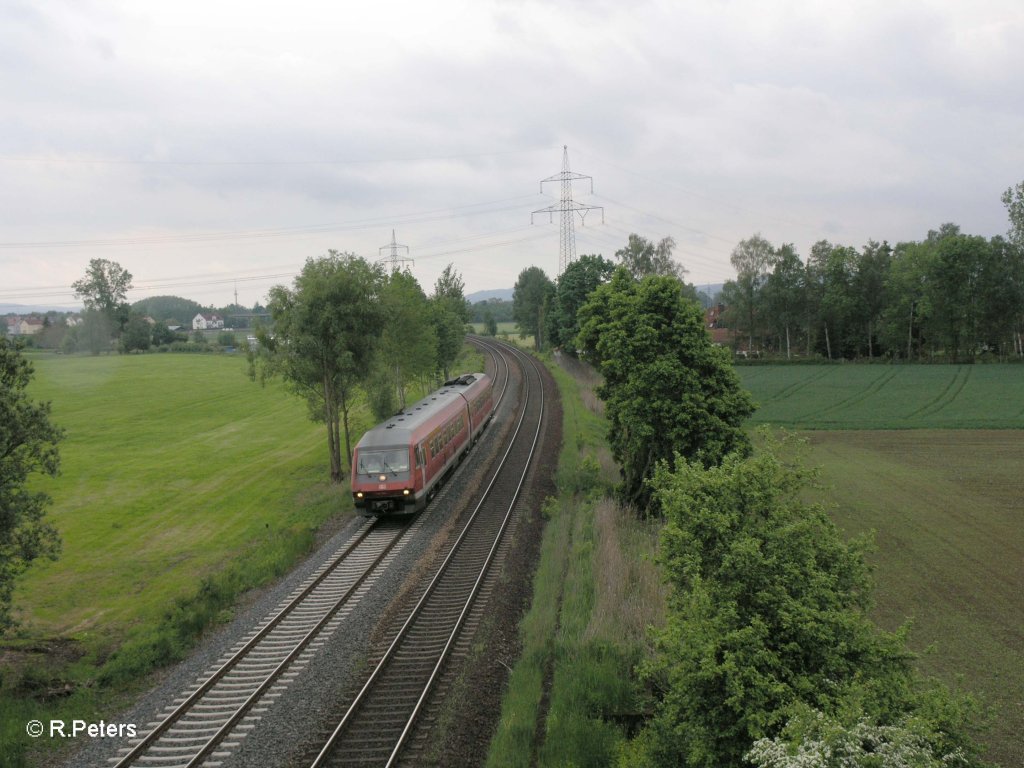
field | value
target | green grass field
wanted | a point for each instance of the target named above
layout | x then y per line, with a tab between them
887	396
170	464
182	485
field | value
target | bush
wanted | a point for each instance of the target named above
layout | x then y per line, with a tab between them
769	615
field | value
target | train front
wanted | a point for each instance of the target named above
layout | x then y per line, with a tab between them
382	479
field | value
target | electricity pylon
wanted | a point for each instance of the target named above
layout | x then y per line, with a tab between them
567	207
395	260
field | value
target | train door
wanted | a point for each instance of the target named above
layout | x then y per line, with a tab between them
421	464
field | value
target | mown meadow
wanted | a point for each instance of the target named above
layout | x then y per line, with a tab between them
182	485
902	454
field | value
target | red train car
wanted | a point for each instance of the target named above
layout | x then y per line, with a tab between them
399	465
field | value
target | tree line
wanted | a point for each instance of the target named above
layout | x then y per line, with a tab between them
950	296
346	328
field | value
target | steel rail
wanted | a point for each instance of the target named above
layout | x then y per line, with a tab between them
219	674
476	584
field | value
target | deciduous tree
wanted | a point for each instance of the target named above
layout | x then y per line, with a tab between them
326	330
28	447
137	334
666	386
785	293
450	313
869	283
573	287
751	259
104	289
641	258
531	301
408	345
768	615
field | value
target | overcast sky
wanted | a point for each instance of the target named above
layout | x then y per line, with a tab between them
209	145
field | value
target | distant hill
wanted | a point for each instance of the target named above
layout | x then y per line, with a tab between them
505	294
28	309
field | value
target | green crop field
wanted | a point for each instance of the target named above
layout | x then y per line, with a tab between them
930	459
887	396
945	508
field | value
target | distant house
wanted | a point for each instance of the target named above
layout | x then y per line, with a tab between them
203	322
713	322
23	326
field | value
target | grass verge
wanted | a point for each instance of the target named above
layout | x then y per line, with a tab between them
572	695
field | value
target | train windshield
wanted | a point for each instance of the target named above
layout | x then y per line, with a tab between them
387	462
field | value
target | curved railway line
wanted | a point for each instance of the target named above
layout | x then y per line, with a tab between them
379	719
206	726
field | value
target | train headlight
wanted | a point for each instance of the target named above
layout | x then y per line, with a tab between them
383	478
405	492
359	494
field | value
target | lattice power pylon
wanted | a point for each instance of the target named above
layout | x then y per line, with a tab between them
396	261
567	207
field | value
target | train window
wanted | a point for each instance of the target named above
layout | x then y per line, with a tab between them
390	461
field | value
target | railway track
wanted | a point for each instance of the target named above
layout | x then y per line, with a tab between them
381	716
206	725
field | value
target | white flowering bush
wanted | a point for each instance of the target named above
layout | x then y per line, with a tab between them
817	741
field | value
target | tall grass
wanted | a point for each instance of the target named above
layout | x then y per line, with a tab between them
572	695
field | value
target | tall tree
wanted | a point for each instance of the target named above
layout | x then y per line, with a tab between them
906	308
869	289
1013	199
449	315
408	347
785	293
641	258
751	259
955	292
531	301
573	287
1001	288
326	330
831	271
450	287
28	446
104	289
666	387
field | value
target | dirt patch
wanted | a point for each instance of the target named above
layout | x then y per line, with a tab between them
32	670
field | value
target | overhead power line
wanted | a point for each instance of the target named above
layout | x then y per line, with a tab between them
440	214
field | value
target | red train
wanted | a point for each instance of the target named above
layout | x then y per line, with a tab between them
399	465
